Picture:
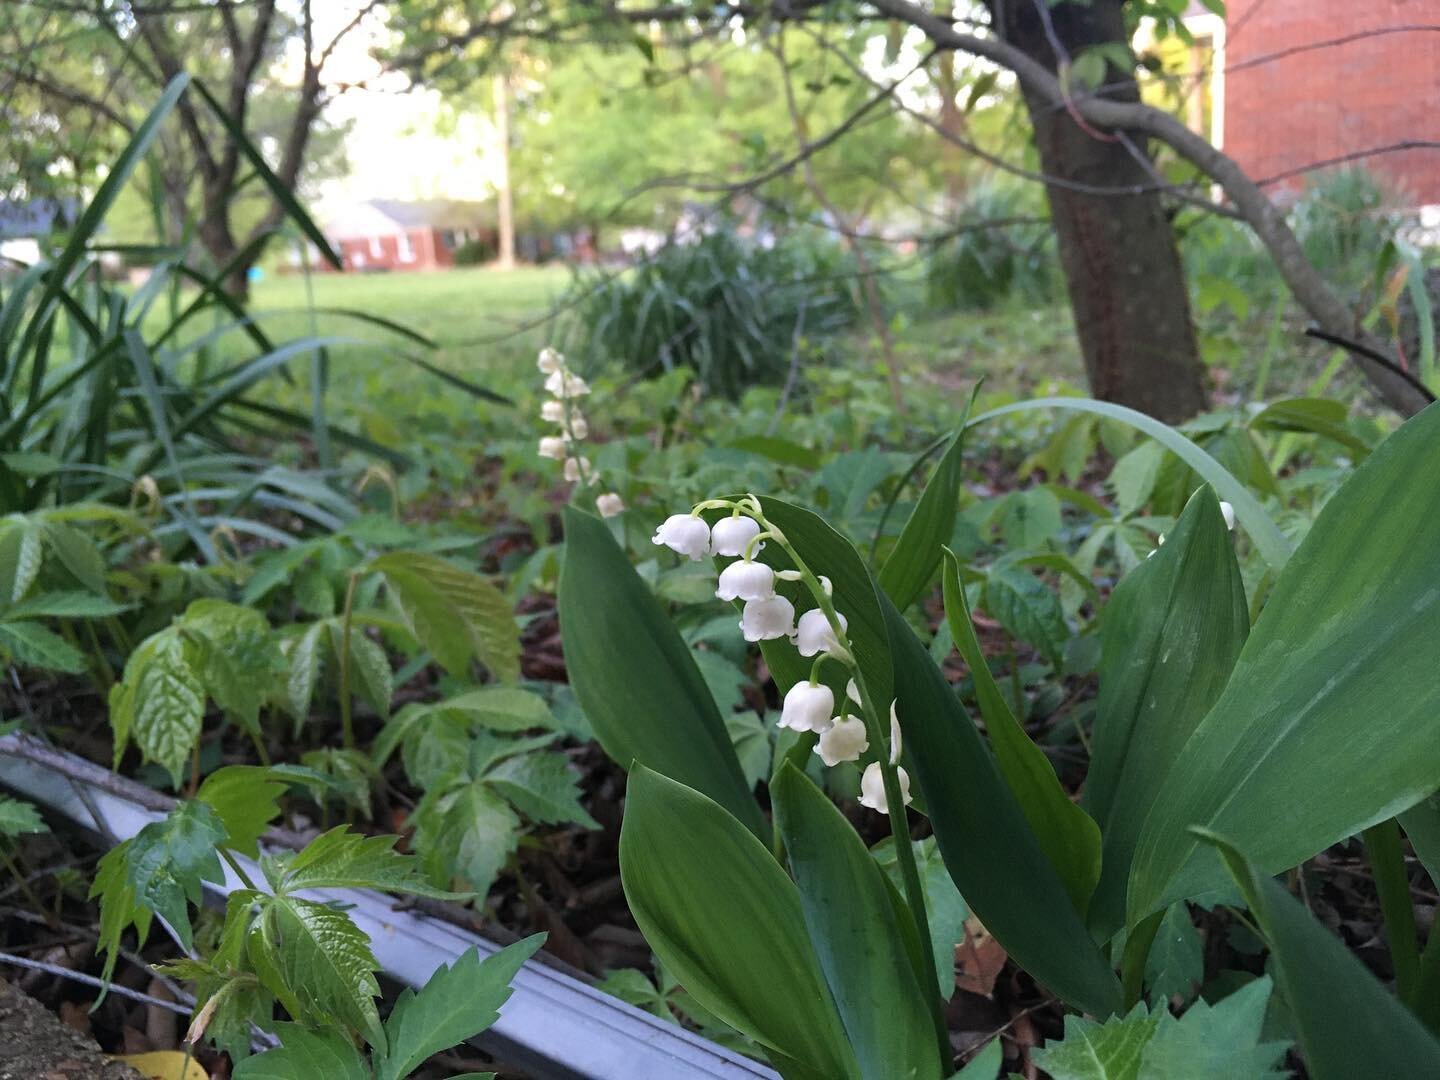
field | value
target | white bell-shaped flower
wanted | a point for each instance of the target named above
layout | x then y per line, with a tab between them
579	427
553	446
685	534
765	620
895	743
872	788
745	580
563	384
609	504
853	692
1228	513
732	535
813	634
575	468
553	412
843	741
549	361
808	708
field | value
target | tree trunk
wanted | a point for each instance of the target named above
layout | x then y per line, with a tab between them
505	257
1122	268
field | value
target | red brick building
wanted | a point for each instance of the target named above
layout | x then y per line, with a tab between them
390	234
1375	81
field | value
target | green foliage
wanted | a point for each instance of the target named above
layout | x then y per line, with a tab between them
1002	253
18	817
735	313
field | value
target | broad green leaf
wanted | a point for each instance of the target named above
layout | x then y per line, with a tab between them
1171	634
1347	1023
31	645
1422	826
168	859
1028	519
723	917
635	677
78	554
502	708
1092	1050
241	661
1319	416
945	909
852	927
1220	1040
1067	835
455	614
911	564
306	1054
543	787
1175	965
1335	645
468	832
1027	609
1265	534
20	557
457	1002
986	1064
316	958
1133	477
246	797
370	674
17	818
304	659
161	700
340	859
989	848
64	605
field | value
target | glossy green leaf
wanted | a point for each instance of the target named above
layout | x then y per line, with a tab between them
993	856
543	787
1318	416
28	644
168	859
1172	631
1267	537
1067	835
635	677
247	799
303	1055
161	700
340	859
1348	1024
852	927
945	909
723	917
911	565
1328	723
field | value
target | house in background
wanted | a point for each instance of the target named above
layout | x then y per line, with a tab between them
393	234
24	223
1298	83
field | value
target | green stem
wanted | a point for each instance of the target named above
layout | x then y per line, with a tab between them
1427	986
239	870
1387	862
347	727
1132	962
29	893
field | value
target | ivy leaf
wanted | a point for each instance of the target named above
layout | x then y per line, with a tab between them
17	818
304	1055
32	645
457	1003
467	832
1092	1050
1216	1040
168	859
162	700
119	907
343	859
246	798
318	963
455	614
543	787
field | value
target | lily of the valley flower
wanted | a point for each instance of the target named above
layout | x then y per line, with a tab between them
575	468
563	384
553	412
768	619
808	708
609	504
894	735
684	534
872	788
844	740
549	362
579	426
745	580
1228	513
813	634
732	535
553	446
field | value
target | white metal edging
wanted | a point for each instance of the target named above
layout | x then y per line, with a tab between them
553	1025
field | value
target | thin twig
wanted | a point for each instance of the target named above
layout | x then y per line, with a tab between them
90	980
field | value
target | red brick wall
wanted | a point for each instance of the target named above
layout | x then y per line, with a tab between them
383	252
1290	112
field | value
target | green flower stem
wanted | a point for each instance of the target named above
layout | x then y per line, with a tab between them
1387	862
878	735
347	727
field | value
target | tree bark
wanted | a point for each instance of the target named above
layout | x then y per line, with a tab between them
1122	267
505	255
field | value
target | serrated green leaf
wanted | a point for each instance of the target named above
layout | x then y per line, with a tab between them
370	674
466	833
17	818
1216	1040
437	748
306	1054
168	860
119	906
457	1002
163	703
20	557
502	708
64	605
31	645
240	661
78	554
543	787
304	660
343	859
1027	609
455	614
316	958
246	797
1092	1050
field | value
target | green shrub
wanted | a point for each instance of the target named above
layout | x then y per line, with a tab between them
729	309
984	267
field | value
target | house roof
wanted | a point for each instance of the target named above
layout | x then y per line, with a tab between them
389	217
29	218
